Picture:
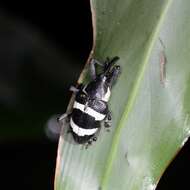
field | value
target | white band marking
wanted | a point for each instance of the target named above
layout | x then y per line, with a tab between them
89	111
80	131
107	95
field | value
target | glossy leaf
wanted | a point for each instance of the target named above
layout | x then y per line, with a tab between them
149	103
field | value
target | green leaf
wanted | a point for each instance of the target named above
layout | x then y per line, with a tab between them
150	102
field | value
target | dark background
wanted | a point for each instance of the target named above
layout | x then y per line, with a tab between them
43	48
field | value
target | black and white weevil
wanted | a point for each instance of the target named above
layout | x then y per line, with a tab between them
90	107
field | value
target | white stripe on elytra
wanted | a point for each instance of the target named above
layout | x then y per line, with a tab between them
81	131
107	95
89	111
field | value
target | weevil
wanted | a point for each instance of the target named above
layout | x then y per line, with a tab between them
90	107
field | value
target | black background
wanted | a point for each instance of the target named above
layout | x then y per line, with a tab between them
36	42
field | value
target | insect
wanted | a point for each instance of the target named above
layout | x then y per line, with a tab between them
90	107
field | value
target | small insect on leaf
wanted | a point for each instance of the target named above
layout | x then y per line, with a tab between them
90	106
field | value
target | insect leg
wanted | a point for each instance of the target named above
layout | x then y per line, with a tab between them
108	120
62	117
109	63
109	116
76	89
88	143
95	136
66	116
93	62
73	89
113	75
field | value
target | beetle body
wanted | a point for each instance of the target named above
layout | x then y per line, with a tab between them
90	107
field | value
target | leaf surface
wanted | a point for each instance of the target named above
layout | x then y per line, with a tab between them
149	103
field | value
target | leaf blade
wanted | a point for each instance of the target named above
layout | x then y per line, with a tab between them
135	162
